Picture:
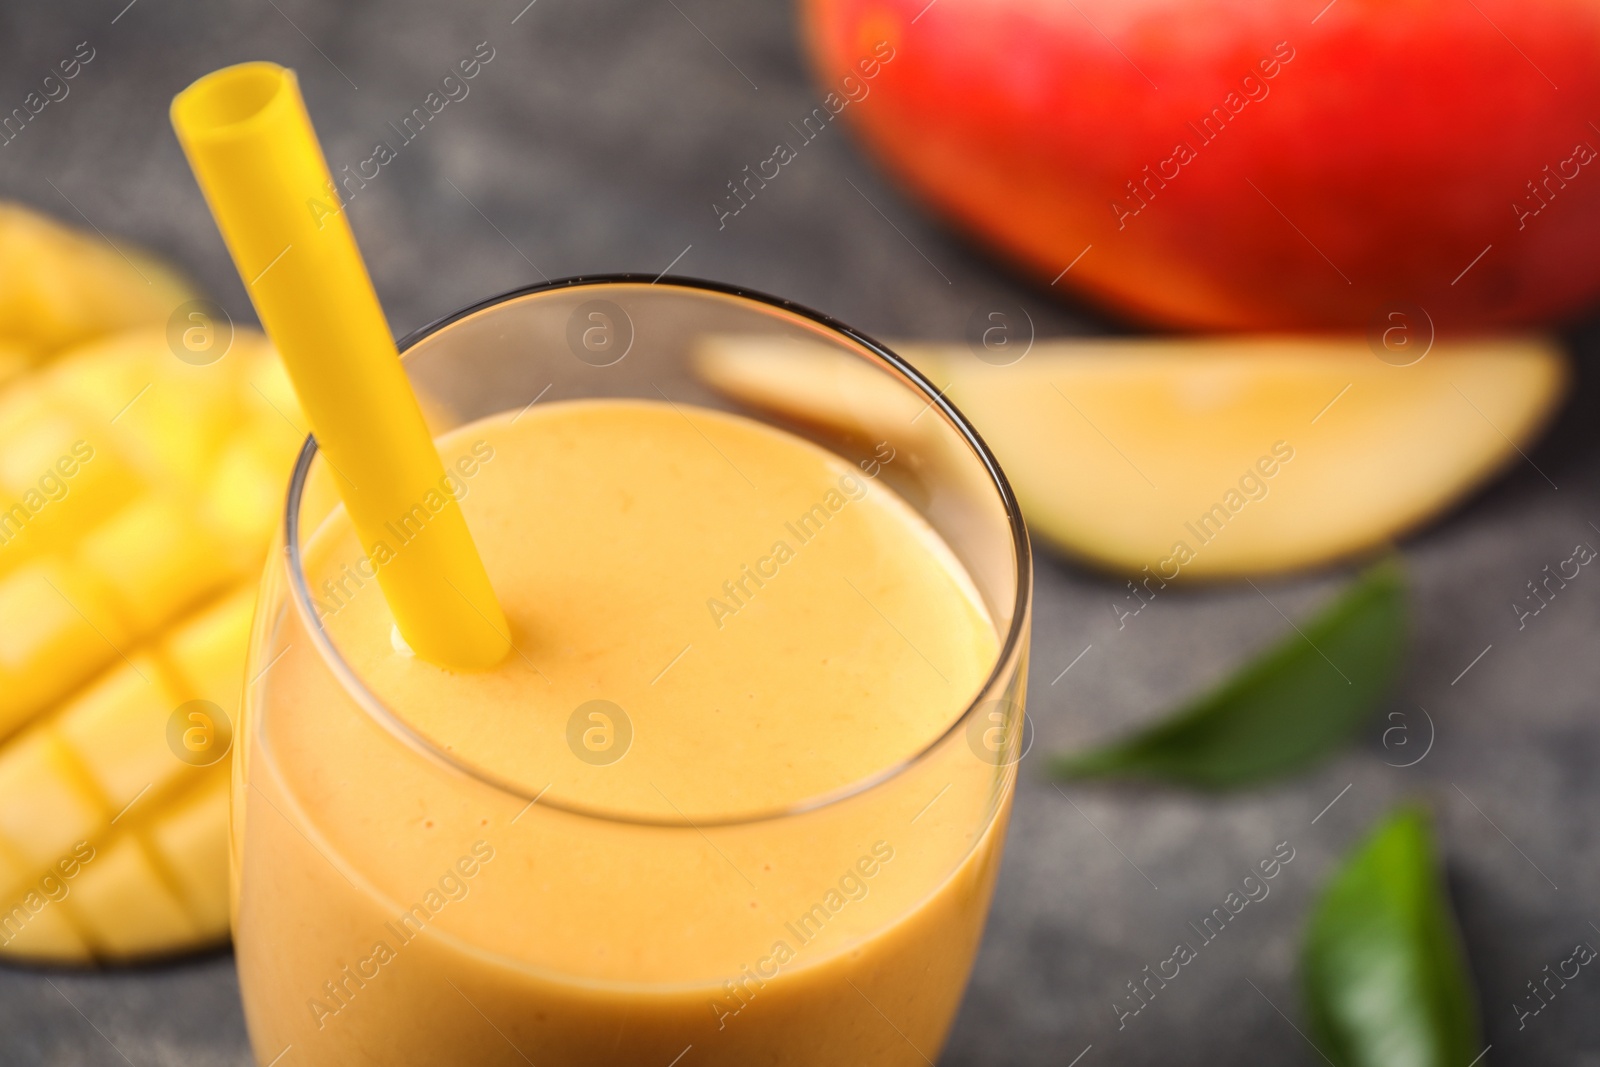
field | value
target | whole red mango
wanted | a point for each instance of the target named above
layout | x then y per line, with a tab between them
1249	164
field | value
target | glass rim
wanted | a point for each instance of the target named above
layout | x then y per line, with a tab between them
1011	647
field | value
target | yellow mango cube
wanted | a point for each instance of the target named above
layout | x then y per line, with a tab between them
127	585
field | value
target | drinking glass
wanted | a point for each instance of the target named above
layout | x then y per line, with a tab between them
394	904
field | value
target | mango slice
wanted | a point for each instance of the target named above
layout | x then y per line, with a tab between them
138	494
60	287
1209	458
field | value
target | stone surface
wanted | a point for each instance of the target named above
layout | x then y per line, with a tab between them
597	139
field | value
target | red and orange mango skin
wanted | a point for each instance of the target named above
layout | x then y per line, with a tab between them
1361	153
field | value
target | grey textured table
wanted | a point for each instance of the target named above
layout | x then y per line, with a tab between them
597	139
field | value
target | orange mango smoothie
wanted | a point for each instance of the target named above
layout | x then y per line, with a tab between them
719	806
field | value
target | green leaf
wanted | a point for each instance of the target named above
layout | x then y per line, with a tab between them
1285	709
1386	980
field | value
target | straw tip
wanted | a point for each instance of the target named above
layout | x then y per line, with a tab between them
230	98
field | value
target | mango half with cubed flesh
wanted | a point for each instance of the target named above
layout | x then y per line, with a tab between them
1210	458
138	494
61	287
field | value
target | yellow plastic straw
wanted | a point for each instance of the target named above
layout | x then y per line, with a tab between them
250	143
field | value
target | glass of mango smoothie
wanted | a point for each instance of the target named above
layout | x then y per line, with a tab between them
738	794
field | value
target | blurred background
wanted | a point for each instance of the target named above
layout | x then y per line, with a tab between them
602	137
